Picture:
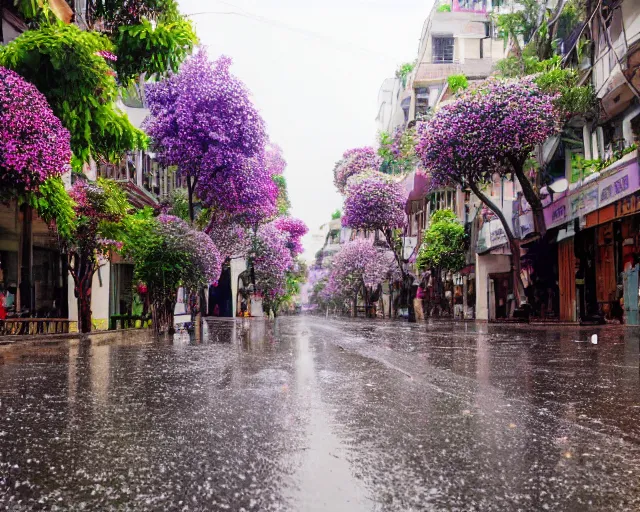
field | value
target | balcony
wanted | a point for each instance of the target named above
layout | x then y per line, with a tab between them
473	68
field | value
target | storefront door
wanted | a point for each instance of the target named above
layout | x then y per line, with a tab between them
500	288
630	288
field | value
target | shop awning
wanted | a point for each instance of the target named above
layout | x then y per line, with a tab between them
469	269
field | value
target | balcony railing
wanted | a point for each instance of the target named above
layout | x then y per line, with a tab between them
472	68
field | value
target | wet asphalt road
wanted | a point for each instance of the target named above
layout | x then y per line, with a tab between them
309	414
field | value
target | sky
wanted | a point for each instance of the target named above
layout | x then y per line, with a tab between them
314	68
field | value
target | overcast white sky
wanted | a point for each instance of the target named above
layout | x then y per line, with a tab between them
314	68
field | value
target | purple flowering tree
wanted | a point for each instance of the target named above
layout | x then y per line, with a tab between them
247	193
294	229
239	204
270	260
167	254
488	130
203	121
231	236
274	160
358	268
375	202
355	161
273	259
34	146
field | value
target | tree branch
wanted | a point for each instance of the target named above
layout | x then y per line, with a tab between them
530	195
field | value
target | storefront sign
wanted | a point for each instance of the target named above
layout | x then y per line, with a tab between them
584	201
484	243
628	205
498	235
622	183
557	213
526	224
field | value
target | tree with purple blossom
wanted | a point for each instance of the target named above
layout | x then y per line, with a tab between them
270	260
375	202
491	129
295	229
231	236
100	209
247	193
355	161
168	254
203	121
34	146
357	269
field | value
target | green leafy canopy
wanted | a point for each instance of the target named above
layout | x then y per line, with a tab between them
62	62
443	243
54	205
457	82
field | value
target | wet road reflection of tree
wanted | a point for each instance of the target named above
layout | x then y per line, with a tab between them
316	414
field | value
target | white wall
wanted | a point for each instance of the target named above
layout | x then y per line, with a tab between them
99	298
238	266
487	264
387	103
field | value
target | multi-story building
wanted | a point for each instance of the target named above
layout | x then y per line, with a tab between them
599	214
585	267
458	38
458	41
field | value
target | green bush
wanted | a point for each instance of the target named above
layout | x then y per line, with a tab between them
443	244
457	82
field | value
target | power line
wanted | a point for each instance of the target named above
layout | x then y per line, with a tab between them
343	44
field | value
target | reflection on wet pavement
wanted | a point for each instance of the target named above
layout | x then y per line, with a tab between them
337	415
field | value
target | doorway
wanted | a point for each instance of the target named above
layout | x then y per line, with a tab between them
500	295
220	295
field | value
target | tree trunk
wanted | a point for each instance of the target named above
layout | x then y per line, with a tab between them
163	316
514	244
82	272
190	194
84	312
532	198
406	278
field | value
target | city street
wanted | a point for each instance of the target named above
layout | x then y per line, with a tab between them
307	414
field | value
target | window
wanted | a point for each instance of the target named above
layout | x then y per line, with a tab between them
422	102
471	6
443	200
406	106
443	49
